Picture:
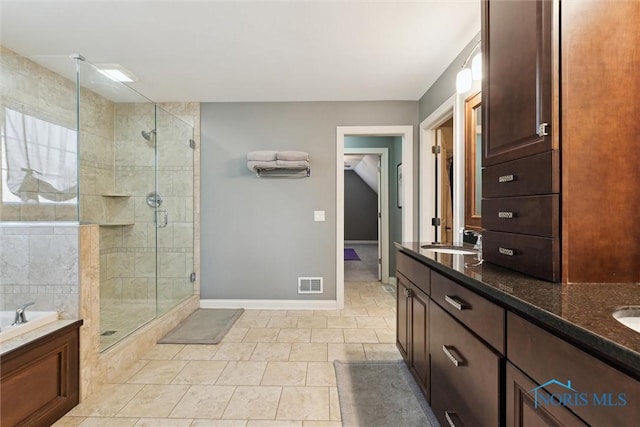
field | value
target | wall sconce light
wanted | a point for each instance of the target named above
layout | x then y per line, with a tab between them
466	76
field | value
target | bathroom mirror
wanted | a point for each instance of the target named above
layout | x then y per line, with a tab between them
473	162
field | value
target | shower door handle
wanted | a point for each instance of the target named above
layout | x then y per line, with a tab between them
165	217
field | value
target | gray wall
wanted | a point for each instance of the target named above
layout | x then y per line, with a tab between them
258	234
394	144
360	209
445	86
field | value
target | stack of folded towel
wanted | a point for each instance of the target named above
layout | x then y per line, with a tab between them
277	160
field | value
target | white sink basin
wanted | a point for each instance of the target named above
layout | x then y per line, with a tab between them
449	249
629	317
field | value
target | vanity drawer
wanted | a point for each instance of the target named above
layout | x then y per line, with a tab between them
537	256
465	374
480	315
538	174
537	215
415	271
543	357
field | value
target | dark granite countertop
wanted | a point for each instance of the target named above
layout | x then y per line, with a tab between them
580	312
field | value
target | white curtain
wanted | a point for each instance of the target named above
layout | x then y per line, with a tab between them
40	157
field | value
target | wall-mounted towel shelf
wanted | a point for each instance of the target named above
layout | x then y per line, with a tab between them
282	172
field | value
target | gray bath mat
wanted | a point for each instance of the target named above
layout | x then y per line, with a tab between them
380	394
203	326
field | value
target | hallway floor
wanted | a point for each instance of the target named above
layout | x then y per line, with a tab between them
365	270
273	369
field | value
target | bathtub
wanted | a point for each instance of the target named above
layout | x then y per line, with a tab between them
35	320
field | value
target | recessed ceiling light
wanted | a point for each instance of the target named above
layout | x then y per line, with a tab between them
117	73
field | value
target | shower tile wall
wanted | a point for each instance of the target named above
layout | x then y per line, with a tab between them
33	90
39	263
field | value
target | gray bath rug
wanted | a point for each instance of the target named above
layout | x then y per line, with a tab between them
380	394
203	326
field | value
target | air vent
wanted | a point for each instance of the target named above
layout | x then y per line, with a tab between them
309	285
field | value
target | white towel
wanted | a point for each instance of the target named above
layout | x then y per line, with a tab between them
253	165
292	163
261	156
292	155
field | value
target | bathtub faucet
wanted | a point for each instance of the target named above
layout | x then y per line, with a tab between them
20	314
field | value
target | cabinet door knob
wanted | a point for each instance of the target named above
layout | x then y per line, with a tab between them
448	350
457	302
447	415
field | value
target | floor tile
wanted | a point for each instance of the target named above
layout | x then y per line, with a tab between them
346	352
158	372
308	352
218	423
334	404
304	403
123	376
68	421
196	352
300	313
154	401
200	372
164	422
242	373
252	322
110	399
271	351
251	403
108	422
294	335
321	424
312	322
234	351
360	336
203	401
327	335
163	351
386	335
321	374
235	335
382	352
371	322
285	373
282	322
261	335
269	423
341	322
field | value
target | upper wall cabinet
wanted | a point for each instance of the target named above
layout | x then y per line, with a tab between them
517	83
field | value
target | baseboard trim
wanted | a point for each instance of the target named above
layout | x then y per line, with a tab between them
264	304
360	242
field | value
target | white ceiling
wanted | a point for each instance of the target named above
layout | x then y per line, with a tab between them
227	51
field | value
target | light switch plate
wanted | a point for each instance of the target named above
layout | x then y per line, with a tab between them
318	215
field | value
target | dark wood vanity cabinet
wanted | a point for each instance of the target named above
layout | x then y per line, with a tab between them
520	156
516	90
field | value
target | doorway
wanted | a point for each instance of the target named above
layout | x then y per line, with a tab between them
366	212
404	138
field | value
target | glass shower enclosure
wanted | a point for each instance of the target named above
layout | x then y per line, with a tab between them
136	182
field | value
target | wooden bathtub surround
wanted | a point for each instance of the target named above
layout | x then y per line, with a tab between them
40	380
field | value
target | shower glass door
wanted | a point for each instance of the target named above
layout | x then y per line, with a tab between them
174	215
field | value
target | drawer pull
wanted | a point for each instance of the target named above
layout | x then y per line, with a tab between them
507	178
457	302
448	351
447	415
506	214
506	251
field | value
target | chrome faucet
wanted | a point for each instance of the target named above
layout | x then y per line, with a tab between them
478	236
21	315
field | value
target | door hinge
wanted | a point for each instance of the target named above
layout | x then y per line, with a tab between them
435	221
542	129
379	260
192	143
435	149
192	277
379	214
